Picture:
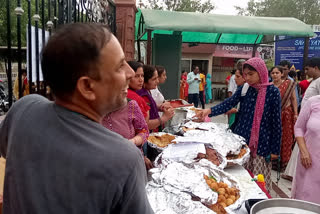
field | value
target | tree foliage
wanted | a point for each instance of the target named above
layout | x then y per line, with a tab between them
181	5
307	11
13	20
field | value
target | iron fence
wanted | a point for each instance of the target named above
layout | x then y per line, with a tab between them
41	19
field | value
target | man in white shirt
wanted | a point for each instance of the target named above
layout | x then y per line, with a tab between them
232	86
193	80
312	68
286	65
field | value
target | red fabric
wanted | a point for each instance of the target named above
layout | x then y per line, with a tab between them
141	102
178	103
260	185
228	78
184	87
287	118
304	84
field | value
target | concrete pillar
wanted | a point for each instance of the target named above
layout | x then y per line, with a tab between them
125	19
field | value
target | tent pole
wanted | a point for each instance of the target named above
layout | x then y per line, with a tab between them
254	50
149	47
139	50
255	47
306	51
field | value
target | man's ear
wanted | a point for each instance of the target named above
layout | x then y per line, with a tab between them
85	88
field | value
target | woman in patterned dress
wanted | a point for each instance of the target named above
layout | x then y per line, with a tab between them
129	122
259	117
289	112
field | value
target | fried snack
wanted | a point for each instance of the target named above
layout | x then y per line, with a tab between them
195	110
162	141
218	208
211	155
185	129
240	155
226	196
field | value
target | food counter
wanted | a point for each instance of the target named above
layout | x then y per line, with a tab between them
199	169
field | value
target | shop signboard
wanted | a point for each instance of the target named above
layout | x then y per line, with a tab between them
234	51
293	49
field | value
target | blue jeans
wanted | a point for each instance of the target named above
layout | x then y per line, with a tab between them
193	98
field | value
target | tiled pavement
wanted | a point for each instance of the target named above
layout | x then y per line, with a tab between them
282	189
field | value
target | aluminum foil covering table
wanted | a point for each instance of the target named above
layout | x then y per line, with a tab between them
171	188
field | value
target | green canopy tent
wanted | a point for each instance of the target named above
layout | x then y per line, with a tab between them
214	28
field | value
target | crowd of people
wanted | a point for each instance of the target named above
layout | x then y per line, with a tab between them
86	151
195	87
266	115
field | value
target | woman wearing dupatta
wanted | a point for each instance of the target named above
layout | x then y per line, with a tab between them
208	88
289	112
151	82
259	117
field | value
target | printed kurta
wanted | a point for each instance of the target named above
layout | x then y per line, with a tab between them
270	127
128	122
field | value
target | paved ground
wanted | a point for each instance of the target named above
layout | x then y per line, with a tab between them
282	189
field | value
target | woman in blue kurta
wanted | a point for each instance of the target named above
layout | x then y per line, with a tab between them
259	117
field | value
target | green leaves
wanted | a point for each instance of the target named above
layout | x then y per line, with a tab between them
307	11
211	177
24	20
181	5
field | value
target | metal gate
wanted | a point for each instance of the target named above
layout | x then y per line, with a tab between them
27	23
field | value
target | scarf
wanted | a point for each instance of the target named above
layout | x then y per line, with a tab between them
261	87
154	114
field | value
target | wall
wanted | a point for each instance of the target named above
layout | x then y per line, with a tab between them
198	56
125	19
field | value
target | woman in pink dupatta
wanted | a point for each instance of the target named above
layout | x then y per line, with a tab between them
306	182
259	117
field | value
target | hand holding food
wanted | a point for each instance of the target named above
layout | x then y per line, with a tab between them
165	106
167	114
201	115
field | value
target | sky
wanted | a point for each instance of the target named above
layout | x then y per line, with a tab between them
225	7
